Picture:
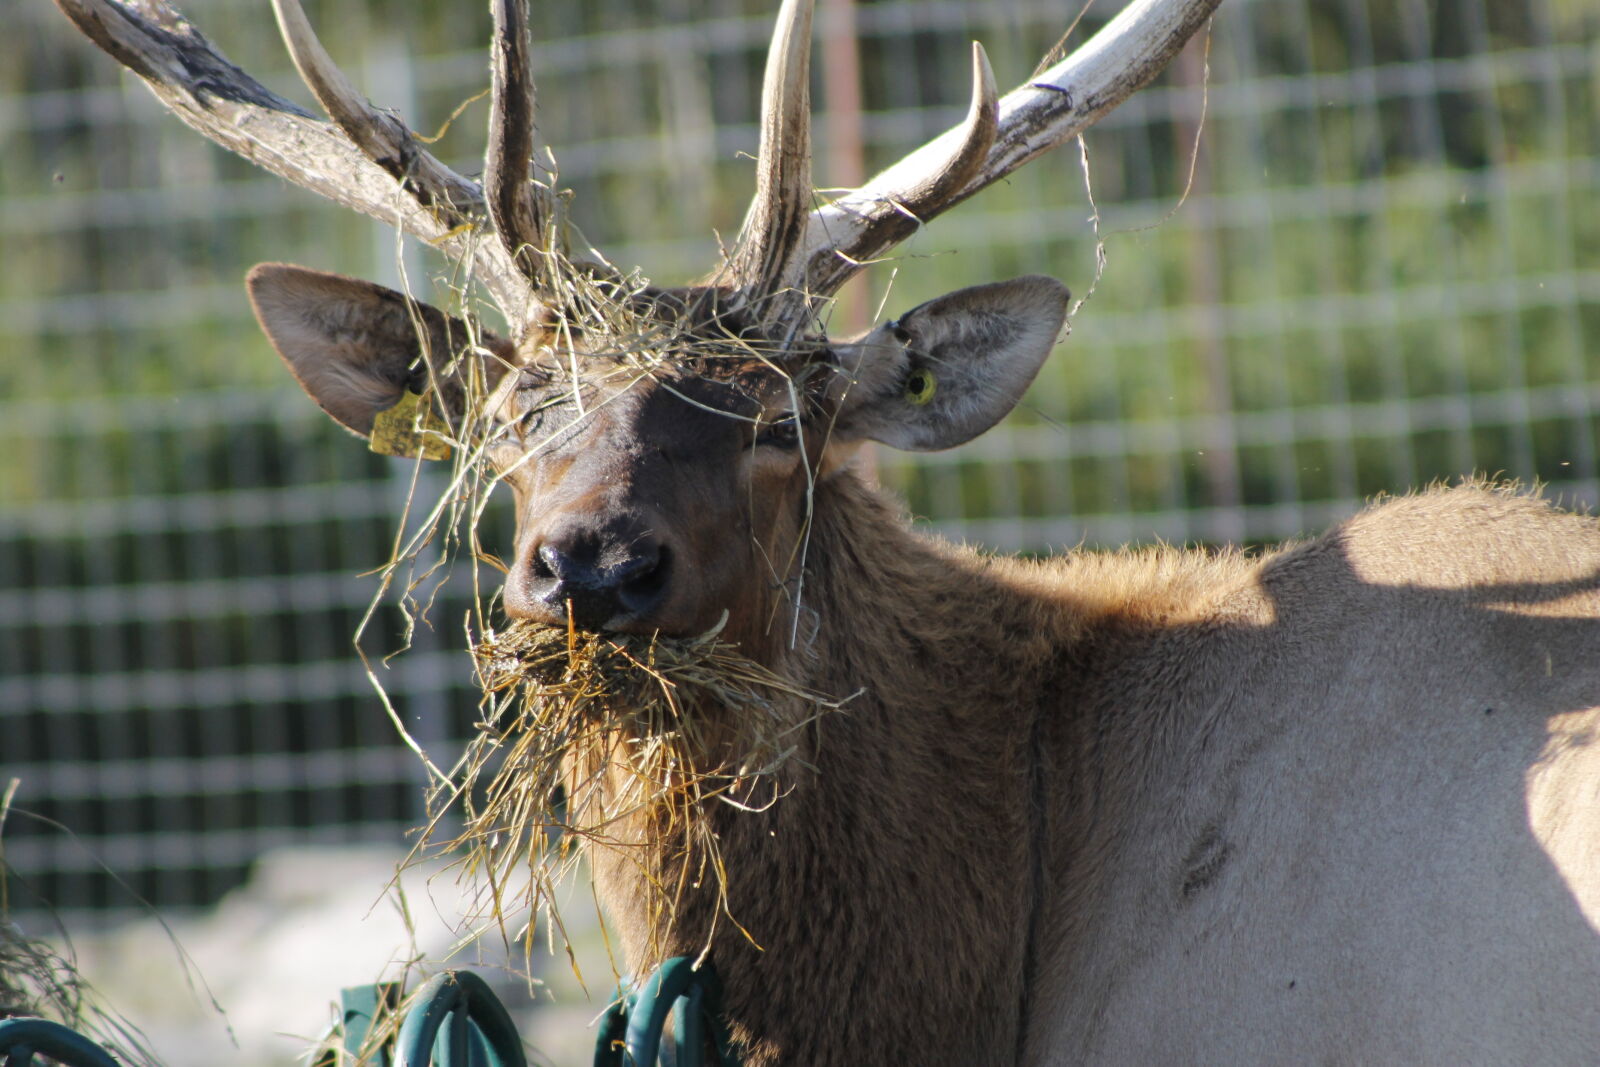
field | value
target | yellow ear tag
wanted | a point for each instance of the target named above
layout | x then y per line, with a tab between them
921	386
409	429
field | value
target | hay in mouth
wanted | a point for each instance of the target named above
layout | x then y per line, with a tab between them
586	739
621	742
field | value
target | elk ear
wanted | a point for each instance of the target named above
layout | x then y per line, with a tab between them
946	371
355	347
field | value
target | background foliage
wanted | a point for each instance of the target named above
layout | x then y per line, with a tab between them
1386	271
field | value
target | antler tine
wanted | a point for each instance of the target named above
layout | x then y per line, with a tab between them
937	185
387	143
977	137
200	86
381	137
863	224
777	216
521	214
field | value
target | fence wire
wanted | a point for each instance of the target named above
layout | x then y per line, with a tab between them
1385	271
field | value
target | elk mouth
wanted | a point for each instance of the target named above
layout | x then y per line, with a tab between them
702	721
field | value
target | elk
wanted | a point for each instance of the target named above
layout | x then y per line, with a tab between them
1336	802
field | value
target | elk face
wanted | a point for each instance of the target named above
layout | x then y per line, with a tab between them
655	495
673	493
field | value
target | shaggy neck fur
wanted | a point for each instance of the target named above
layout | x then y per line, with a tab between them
912	854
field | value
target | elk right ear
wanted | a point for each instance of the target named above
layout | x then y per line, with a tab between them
355	347
944	372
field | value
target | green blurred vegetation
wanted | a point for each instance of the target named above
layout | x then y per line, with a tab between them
1392	202
1385	271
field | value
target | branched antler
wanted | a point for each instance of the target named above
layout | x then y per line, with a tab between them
865	223
365	159
789	255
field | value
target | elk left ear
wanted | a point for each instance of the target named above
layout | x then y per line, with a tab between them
356	347
946	371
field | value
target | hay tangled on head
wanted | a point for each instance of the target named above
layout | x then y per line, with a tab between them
583	738
584	735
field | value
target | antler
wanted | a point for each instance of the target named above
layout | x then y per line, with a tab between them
776	220
521	210
845	235
366	159
775	256
764	264
787	256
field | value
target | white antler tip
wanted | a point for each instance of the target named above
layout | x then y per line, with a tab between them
985	96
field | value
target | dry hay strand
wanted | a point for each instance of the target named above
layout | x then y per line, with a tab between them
36	980
620	742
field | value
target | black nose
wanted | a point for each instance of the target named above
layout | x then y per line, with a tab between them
602	584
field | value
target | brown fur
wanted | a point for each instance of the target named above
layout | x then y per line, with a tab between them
957	881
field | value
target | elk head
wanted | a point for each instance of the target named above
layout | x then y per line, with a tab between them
662	444
663	459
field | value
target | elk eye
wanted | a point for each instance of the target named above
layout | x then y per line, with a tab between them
921	385
529	422
782	433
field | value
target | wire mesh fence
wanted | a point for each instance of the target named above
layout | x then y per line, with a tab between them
1385	270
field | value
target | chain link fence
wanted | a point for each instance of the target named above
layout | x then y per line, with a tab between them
1384	270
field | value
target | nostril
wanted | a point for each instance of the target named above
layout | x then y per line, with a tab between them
636	566
645	580
592	580
549	562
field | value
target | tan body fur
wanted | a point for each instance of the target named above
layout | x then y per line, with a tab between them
1337	804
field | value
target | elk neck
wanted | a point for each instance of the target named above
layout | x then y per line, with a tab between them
900	844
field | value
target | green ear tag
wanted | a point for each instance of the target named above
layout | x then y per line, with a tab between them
921	386
409	429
